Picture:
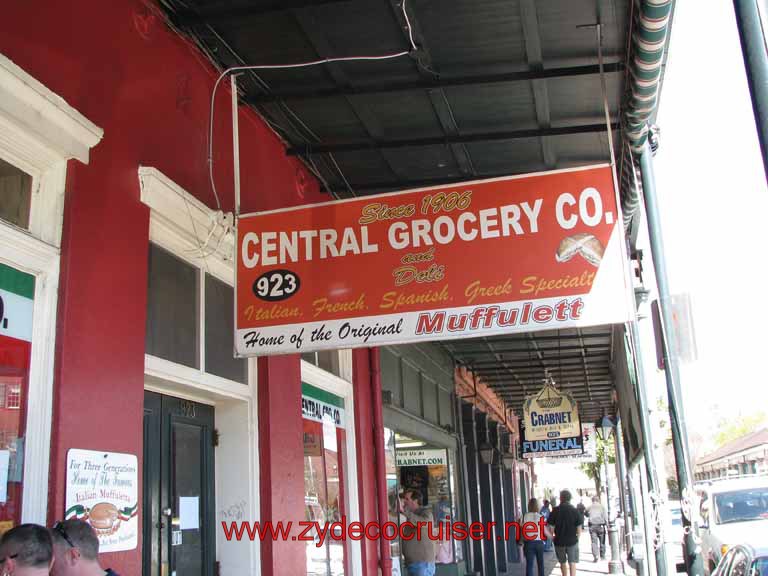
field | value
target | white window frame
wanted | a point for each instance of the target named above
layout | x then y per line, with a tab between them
343	388
180	224
39	133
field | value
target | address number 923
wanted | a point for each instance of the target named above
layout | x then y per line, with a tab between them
276	285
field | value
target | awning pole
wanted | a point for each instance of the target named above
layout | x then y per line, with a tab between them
755	52
650	459
693	561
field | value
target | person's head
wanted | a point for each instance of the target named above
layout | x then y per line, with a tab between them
75	547
565	496
411	500
595	499
26	550
533	505
546	503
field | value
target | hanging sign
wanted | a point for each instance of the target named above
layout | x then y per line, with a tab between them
515	254
103	490
568	446
550	414
418	457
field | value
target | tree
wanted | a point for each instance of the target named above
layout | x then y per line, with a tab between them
594	470
730	429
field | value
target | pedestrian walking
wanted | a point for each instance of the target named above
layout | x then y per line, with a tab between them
581	508
546	510
598	519
533	549
567	524
26	550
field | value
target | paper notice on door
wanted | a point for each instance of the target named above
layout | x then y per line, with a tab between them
189	512
5	458
329	434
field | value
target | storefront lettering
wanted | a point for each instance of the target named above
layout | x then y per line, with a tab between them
553	418
315	410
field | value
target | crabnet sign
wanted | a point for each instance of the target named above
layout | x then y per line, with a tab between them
551	414
103	490
428	457
514	254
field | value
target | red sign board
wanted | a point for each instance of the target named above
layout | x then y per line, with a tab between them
514	254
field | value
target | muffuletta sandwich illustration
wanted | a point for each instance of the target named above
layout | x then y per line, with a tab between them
586	245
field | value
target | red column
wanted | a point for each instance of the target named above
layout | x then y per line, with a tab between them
281	450
366	473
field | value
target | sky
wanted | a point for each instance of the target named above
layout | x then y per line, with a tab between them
714	200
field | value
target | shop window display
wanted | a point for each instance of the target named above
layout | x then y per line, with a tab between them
324	465
413	464
16	308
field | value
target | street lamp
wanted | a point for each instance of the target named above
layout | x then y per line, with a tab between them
604	428
486	452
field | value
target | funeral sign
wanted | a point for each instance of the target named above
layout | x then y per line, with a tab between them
515	254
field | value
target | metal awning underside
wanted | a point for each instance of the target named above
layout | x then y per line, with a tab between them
579	361
496	87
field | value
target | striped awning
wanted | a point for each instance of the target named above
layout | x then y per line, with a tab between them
649	43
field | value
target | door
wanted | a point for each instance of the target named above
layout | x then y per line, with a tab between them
179	531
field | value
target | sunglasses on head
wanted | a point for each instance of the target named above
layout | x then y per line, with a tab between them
59	529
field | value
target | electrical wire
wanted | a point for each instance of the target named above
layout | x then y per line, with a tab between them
410	28
235	69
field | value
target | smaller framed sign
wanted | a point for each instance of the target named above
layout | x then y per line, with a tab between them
419	457
103	490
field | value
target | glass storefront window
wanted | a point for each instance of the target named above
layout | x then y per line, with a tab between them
327	360
17	291
413	464
325	458
15	195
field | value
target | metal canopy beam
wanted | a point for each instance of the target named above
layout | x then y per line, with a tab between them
530	22
523	361
539	373
418	183
226	11
447	139
480	351
317	39
437	83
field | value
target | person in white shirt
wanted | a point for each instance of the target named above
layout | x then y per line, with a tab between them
598	519
533	548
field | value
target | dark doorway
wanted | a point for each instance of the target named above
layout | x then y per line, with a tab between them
179	531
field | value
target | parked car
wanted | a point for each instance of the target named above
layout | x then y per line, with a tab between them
743	560
732	512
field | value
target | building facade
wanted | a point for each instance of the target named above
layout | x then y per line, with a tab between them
116	262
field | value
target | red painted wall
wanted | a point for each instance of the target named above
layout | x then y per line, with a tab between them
119	65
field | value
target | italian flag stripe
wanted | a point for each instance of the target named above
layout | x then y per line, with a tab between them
17	282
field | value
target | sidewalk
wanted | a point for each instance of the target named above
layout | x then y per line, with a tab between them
585	567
